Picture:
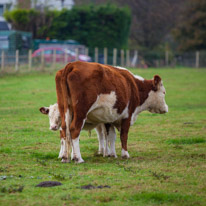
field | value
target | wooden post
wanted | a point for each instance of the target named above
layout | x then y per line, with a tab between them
135	59
127	58
2	60
42	59
65	58
114	57
76	54
87	52
54	58
30	59
17	61
197	59
105	55
122	57
96	54
167	58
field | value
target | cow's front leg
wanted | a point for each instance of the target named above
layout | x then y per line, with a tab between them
106	149
100	136
63	148
124	136
111	138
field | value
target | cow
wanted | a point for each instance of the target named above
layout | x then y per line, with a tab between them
105	133
94	93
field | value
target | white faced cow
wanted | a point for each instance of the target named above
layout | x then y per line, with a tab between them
105	132
94	93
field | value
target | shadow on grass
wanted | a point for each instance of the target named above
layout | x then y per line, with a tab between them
186	141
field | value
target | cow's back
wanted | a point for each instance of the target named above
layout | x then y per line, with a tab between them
86	81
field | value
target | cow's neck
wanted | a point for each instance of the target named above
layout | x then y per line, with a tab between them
144	88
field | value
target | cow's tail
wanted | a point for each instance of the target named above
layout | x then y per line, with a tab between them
67	103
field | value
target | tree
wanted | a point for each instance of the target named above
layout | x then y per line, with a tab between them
191	30
152	20
30	20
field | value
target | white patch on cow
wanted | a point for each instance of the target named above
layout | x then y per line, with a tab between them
62	143
76	151
103	111
136	76
124	154
139	77
54	117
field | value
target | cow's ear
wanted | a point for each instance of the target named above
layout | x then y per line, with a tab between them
44	110
156	82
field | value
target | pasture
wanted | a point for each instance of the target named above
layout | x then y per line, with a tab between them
168	152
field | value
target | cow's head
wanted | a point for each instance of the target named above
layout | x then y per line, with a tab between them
156	99
54	116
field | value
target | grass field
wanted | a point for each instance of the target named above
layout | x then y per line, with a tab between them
168	152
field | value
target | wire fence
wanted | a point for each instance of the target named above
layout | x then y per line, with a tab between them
52	57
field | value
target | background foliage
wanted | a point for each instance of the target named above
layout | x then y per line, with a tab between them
102	26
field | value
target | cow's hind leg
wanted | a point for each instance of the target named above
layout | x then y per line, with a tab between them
123	136
75	129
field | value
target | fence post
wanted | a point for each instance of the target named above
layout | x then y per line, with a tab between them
65	57
76	54
135	59
2	60
122	57
105	55
197	59
17	61
54	58
42	59
30	60
96	54
114	57
86	51
167	58
127	58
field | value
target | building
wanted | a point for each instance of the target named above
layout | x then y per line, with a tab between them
37	4
52	4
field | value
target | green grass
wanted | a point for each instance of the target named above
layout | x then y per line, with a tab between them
168	152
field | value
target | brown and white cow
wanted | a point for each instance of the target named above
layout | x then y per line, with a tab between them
105	133
96	93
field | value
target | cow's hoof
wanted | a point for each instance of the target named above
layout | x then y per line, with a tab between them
113	155
125	154
64	160
78	160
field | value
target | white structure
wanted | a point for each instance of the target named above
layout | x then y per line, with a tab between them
7	4
37	4
52	4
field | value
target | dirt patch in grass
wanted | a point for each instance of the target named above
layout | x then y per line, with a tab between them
89	187
49	184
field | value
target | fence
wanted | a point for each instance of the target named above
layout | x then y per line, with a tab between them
126	58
